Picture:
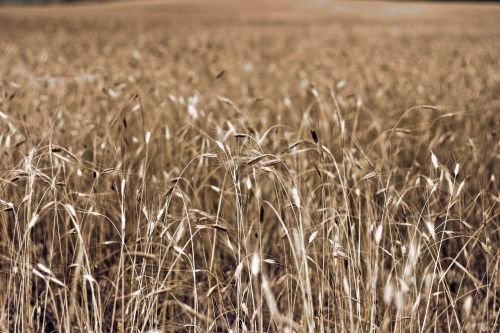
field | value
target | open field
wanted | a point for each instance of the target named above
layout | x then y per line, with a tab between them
196	166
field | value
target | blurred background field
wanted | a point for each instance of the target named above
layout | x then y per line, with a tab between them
249	166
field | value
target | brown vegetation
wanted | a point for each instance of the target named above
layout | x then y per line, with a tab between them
206	166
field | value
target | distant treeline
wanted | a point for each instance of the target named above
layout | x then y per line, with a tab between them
61	1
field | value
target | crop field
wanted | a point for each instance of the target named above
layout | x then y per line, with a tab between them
258	166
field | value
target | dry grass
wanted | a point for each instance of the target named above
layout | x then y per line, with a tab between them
208	167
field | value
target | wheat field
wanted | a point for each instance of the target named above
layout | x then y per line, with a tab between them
195	166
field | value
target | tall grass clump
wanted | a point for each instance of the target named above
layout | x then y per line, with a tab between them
248	172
